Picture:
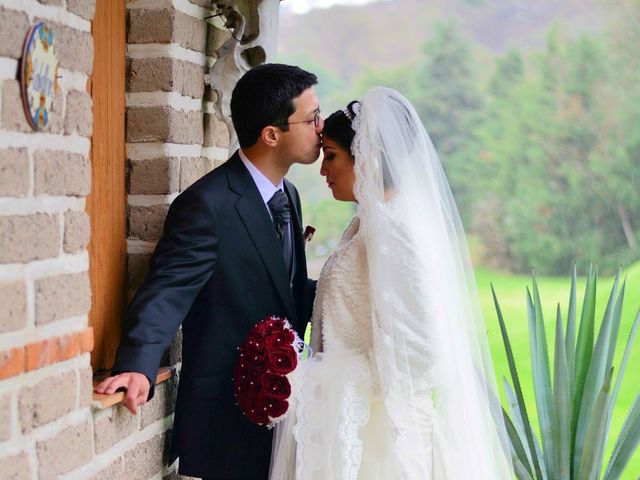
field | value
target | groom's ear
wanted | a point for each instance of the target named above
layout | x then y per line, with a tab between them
270	135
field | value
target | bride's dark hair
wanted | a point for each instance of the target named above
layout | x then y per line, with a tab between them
337	126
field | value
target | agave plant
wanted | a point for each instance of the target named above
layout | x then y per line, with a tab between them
574	414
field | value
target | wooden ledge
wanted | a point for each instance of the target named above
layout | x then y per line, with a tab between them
101	401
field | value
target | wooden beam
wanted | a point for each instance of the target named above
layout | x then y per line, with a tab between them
106	205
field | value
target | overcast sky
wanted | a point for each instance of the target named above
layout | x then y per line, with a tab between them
303	6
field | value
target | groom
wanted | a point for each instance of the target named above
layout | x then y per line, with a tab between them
226	261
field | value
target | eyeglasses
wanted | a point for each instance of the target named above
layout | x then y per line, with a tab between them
315	120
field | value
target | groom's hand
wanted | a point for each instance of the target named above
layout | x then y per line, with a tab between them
136	387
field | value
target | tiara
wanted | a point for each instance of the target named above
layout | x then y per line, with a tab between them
353	112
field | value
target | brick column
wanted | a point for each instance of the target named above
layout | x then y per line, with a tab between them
173	138
45	377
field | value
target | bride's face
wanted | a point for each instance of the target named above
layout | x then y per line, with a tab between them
337	168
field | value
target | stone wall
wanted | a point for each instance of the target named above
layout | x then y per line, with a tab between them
50	425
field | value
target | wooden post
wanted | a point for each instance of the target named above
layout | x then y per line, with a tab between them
106	205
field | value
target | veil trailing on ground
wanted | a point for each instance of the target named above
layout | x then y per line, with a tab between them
429	336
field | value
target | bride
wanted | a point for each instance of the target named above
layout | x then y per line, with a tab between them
401	383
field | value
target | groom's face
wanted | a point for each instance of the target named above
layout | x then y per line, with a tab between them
301	143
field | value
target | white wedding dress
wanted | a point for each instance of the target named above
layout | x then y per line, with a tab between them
401	383
338	418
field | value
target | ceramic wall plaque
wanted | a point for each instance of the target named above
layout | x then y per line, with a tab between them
39	72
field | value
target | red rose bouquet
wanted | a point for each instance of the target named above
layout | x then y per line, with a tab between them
267	356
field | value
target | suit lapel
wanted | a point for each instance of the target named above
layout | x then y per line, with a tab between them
300	273
293	200
297	225
255	217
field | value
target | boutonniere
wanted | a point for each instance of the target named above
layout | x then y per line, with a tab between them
307	236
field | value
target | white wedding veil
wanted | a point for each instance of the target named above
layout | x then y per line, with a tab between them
429	364
430	346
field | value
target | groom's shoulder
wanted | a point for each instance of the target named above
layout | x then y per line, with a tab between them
210	191
213	183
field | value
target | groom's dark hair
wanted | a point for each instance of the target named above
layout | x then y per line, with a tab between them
264	96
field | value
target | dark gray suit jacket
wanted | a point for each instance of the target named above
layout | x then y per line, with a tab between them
217	270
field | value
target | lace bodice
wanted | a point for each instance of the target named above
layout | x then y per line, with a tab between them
343	384
342	312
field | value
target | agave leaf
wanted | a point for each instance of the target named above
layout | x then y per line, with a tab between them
541	376
513	443
597	371
584	349
520	470
591	458
561	405
615	325
514	412
613	340
614	464
625	359
516	446
626	444
570	339
518	389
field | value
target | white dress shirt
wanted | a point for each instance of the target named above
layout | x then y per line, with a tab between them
266	188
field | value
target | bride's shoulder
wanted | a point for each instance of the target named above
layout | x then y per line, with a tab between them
352	229
390	227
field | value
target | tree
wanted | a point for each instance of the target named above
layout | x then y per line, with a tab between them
446	96
553	158
616	157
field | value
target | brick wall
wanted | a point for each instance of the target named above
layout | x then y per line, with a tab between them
46	423
49	425
173	136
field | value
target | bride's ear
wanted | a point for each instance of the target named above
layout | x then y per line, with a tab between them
270	135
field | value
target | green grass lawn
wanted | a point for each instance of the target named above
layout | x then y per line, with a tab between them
511	292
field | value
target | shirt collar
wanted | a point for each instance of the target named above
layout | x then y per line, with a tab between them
266	188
